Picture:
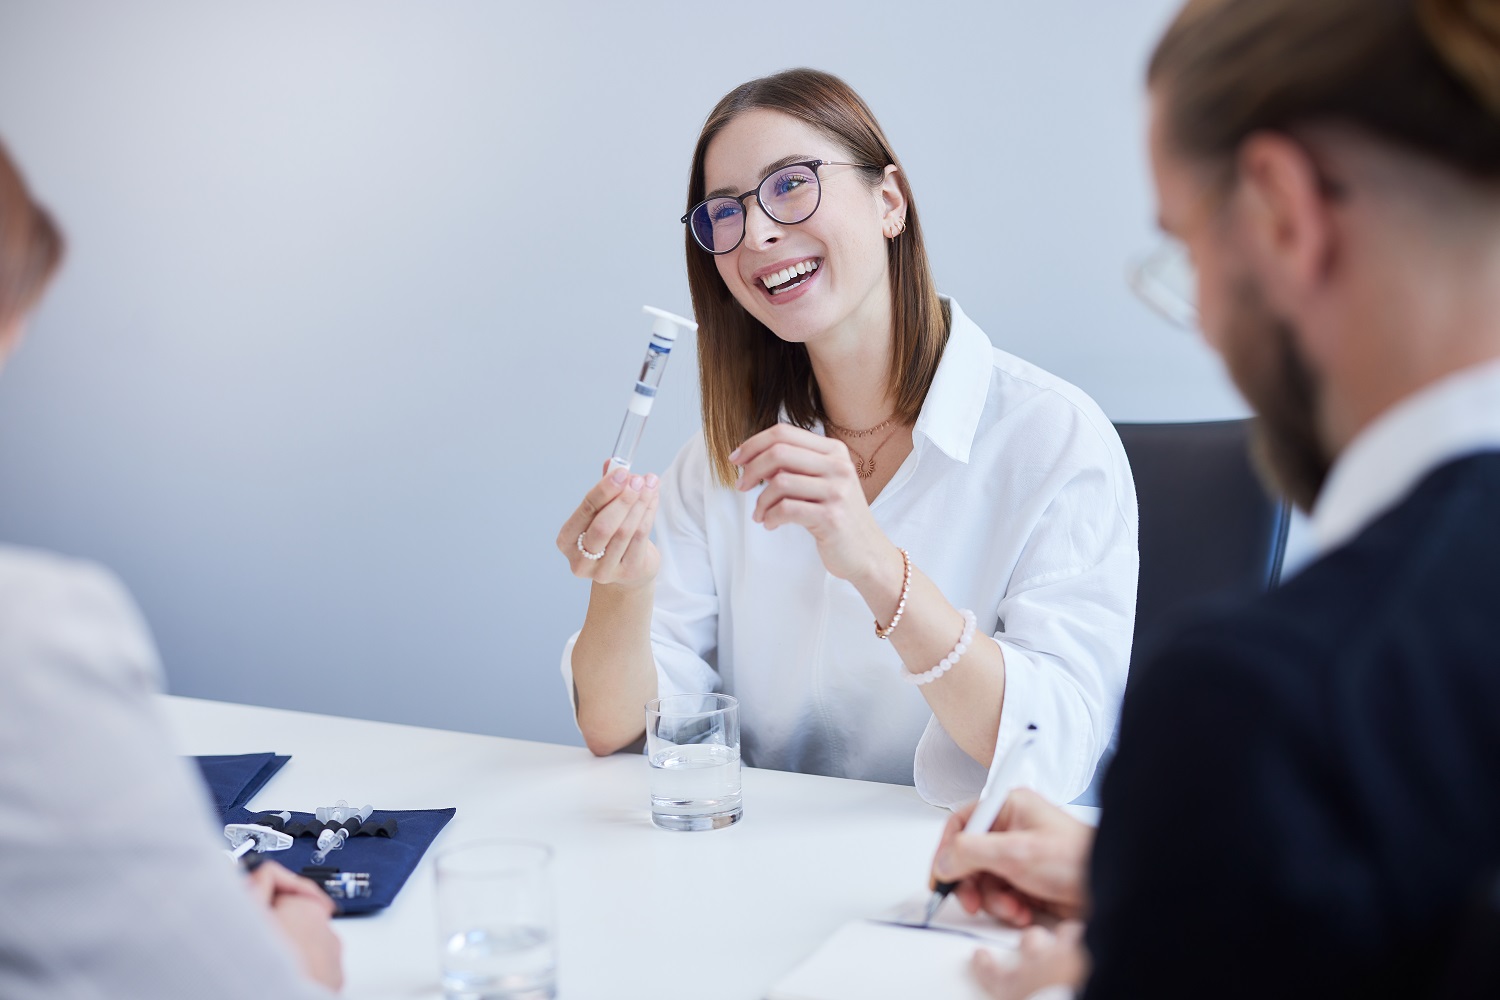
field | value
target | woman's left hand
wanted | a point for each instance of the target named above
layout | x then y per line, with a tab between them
810	481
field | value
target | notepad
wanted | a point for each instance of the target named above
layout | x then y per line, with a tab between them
878	960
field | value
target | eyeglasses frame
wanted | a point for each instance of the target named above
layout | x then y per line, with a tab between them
812	165
1146	275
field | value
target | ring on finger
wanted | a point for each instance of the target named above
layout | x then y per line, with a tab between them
591	556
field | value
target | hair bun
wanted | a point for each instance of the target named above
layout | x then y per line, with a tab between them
1466	37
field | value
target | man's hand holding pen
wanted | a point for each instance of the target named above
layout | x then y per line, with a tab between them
1033	862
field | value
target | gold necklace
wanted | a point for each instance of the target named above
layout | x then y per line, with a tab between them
846	432
864	468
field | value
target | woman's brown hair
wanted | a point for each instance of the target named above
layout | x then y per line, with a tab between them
1423	74
30	246
748	374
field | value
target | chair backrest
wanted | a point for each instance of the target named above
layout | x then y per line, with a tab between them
1207	525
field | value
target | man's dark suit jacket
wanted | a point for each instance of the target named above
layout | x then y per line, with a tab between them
1306	796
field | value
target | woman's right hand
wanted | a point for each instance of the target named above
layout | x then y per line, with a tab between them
615	518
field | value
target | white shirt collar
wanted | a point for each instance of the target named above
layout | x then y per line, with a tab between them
1455	416
955	402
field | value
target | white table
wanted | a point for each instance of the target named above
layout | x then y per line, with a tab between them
642	912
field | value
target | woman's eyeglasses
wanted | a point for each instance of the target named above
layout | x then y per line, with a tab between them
788	195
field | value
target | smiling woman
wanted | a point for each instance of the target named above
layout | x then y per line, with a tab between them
866	455
814	107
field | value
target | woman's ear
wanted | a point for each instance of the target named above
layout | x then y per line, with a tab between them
892	202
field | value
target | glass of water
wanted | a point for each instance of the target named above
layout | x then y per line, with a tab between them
694	744
496	927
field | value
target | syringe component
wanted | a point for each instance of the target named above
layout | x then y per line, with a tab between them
247	837
665	328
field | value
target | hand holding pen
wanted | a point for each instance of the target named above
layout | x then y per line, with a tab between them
1034	860
1012	852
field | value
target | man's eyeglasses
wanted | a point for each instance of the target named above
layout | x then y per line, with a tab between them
1166	282
789	195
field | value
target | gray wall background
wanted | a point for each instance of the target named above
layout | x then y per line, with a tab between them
352	304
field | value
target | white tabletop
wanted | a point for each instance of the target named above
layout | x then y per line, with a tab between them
642	912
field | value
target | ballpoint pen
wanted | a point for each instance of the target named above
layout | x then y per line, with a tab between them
1002	782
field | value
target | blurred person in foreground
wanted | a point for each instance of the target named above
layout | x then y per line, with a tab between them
111	881
1306	797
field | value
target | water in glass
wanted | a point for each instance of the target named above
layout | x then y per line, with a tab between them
515	963
695	786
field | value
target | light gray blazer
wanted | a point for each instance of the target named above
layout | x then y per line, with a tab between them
111	880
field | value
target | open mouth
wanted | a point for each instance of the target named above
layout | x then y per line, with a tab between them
788	278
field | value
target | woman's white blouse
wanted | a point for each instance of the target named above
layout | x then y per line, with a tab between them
1016	500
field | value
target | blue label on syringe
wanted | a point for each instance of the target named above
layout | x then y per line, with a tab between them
642	398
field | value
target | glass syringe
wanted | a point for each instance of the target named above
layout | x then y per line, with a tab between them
664	330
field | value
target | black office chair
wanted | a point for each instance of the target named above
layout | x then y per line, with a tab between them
1207	525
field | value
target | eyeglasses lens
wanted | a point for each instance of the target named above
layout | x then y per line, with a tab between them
790	196
718	224
1167	282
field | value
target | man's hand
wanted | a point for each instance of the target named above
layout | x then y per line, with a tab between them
304	913
1045	959
1036	860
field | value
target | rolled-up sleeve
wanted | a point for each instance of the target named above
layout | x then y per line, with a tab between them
1064	627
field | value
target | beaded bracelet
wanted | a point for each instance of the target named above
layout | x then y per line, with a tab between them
962	647
885	633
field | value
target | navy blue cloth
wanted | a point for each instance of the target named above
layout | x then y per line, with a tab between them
1306	795
235	779
388	860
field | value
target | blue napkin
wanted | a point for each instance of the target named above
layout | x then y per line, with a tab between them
389	861
234	780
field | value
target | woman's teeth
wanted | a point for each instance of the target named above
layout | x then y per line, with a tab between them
790	274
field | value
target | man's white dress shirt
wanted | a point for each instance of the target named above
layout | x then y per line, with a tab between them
1452	418
1016	500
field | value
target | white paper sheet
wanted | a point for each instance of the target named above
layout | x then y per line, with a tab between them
872	960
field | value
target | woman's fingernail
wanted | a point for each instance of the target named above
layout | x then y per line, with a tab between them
620	476
651	481
940	865
636	482
734	456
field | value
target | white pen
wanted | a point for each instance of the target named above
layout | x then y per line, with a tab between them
1002	783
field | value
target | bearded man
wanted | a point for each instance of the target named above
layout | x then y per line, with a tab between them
1306	796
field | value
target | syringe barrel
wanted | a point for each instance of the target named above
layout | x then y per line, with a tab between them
630	436
664	332
641	399
655	364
